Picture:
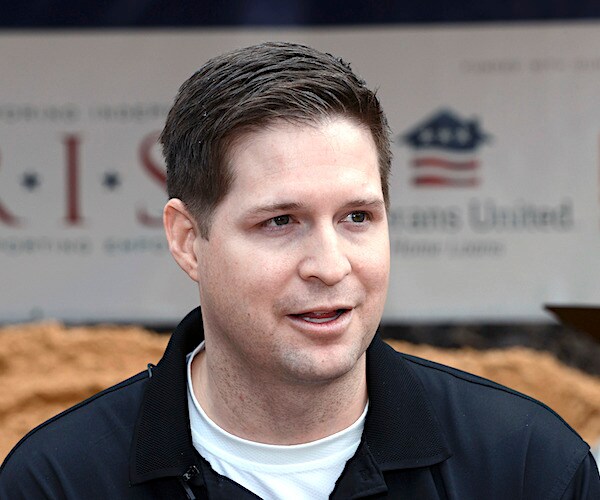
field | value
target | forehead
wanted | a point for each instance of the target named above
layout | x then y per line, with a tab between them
333	154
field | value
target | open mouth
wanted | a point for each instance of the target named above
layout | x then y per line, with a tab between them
320	316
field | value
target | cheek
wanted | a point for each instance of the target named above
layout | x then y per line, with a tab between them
373	266
251	273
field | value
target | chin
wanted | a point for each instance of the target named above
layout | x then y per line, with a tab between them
327	366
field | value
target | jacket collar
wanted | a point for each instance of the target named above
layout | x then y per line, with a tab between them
401	430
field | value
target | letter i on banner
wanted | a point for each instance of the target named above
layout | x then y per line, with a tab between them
73	215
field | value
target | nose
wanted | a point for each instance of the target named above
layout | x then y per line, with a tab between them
325	257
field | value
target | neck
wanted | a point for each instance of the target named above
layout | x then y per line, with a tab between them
261	409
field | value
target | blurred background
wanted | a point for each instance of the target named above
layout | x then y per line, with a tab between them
495	120
495	115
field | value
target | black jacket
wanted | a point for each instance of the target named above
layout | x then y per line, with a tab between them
431	432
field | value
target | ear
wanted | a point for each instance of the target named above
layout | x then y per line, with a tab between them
182	231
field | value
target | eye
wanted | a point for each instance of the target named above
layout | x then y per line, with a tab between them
279	220
357	217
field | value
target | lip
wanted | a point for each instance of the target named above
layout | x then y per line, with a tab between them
336	320
321	309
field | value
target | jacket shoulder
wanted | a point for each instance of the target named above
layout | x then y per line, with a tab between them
466	387
92	435
501	432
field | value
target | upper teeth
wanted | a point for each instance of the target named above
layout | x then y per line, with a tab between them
320	320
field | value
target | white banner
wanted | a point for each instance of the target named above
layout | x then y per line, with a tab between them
495	192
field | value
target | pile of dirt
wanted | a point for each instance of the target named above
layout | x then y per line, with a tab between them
45	368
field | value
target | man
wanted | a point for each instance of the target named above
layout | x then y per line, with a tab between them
278	160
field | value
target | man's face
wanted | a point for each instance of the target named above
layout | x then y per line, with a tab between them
293	277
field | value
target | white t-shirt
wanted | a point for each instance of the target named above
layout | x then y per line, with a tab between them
303	471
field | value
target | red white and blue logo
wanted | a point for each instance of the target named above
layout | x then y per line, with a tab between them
445	150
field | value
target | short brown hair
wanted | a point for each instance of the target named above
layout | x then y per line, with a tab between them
250	88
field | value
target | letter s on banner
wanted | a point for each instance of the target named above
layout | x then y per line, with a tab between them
156	173
7	217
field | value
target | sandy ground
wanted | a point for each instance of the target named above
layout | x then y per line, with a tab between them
45	368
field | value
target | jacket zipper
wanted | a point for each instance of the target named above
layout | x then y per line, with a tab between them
189	474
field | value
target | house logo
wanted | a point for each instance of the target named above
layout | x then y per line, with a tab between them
445	150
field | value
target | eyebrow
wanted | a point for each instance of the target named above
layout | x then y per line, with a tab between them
373	203
270	208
